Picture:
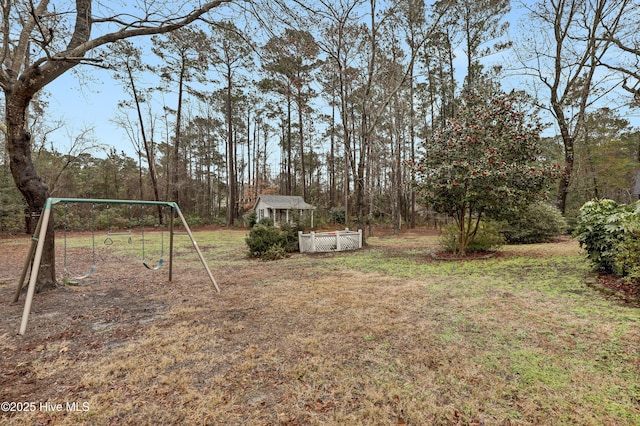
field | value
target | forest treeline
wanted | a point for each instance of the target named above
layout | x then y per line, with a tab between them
332	100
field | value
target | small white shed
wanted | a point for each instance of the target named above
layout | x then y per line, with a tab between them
281	208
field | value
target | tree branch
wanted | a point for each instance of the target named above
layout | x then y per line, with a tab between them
46	70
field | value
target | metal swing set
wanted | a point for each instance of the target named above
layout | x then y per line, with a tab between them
32	263
108	241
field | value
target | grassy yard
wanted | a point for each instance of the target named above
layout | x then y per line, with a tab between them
382	336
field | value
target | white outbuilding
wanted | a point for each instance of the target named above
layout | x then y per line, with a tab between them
282	208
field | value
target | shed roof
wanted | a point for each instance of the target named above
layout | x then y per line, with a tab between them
286	202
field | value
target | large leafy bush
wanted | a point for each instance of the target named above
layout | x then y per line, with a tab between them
539	222
626	260
609	231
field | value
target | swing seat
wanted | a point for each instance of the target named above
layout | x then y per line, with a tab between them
119	233
154	268
87	275
108	241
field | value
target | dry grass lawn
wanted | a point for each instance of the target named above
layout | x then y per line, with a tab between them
382	336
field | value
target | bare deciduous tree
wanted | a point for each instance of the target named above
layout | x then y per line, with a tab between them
561	51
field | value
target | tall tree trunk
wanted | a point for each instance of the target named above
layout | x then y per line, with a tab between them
565	179
148	150
568	142
360	183
175	176
412	136
249	163
31	186
209	198
256	161
264	159
303	173
348	154
398	184
289	160
256	154
366	128
231	159
332	157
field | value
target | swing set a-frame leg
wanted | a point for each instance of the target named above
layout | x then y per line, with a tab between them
195	245
33	277
29	260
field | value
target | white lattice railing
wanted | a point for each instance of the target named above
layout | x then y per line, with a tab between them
329	241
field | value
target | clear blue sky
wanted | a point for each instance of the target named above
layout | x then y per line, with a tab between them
87	105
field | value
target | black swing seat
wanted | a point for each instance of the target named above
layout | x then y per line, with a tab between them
154	268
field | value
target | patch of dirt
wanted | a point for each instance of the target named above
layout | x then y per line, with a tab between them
102	312
612	285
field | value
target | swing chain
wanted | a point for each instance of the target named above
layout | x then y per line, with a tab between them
66	272
161	260
109	241
93	243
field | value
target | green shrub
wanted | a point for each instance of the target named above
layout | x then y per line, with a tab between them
487	238
266	221
338	215
539	222
291	236
275	252
262	237
11	218
448	239
250	219
626	258
193	220
267	242
601	226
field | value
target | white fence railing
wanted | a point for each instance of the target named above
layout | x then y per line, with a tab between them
329	241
